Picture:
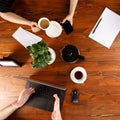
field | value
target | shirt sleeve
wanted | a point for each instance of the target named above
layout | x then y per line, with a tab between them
5	5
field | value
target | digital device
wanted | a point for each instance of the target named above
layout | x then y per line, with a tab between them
75	96
43	96
8	63
67	27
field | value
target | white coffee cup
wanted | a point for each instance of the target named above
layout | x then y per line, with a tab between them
78	75
43	23
52	28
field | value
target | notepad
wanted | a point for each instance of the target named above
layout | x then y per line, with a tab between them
25	37
106	29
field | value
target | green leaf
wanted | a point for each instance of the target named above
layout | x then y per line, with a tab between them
40	54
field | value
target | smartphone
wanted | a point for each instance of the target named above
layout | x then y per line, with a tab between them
67	27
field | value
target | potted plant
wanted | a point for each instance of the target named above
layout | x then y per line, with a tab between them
42	54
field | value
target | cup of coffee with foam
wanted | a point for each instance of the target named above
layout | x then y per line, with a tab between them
78	75
52	28
43	23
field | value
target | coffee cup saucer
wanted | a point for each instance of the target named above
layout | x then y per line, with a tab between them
54	30
78	81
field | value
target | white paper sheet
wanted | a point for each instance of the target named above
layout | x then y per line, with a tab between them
26	38
106	29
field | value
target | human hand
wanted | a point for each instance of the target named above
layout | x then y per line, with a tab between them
56	115
23	97
34	27
69	18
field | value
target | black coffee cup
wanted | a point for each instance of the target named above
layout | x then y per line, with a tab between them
71	54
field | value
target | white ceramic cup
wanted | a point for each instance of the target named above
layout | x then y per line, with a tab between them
43	23
78	75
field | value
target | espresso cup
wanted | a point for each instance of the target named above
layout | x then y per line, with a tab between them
43	23
78	75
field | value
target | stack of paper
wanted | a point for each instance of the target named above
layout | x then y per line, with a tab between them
26	38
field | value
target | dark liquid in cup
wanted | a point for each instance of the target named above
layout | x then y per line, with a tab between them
78	75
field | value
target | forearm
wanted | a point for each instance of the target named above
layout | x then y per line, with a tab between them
73	4
14	18
7	111
23	97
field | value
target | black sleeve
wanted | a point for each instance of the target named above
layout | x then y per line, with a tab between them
5	5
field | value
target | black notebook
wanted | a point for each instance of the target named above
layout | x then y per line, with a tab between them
43	96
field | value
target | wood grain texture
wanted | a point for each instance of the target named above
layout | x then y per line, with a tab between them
99	96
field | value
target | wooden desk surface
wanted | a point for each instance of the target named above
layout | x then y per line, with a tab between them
99	96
